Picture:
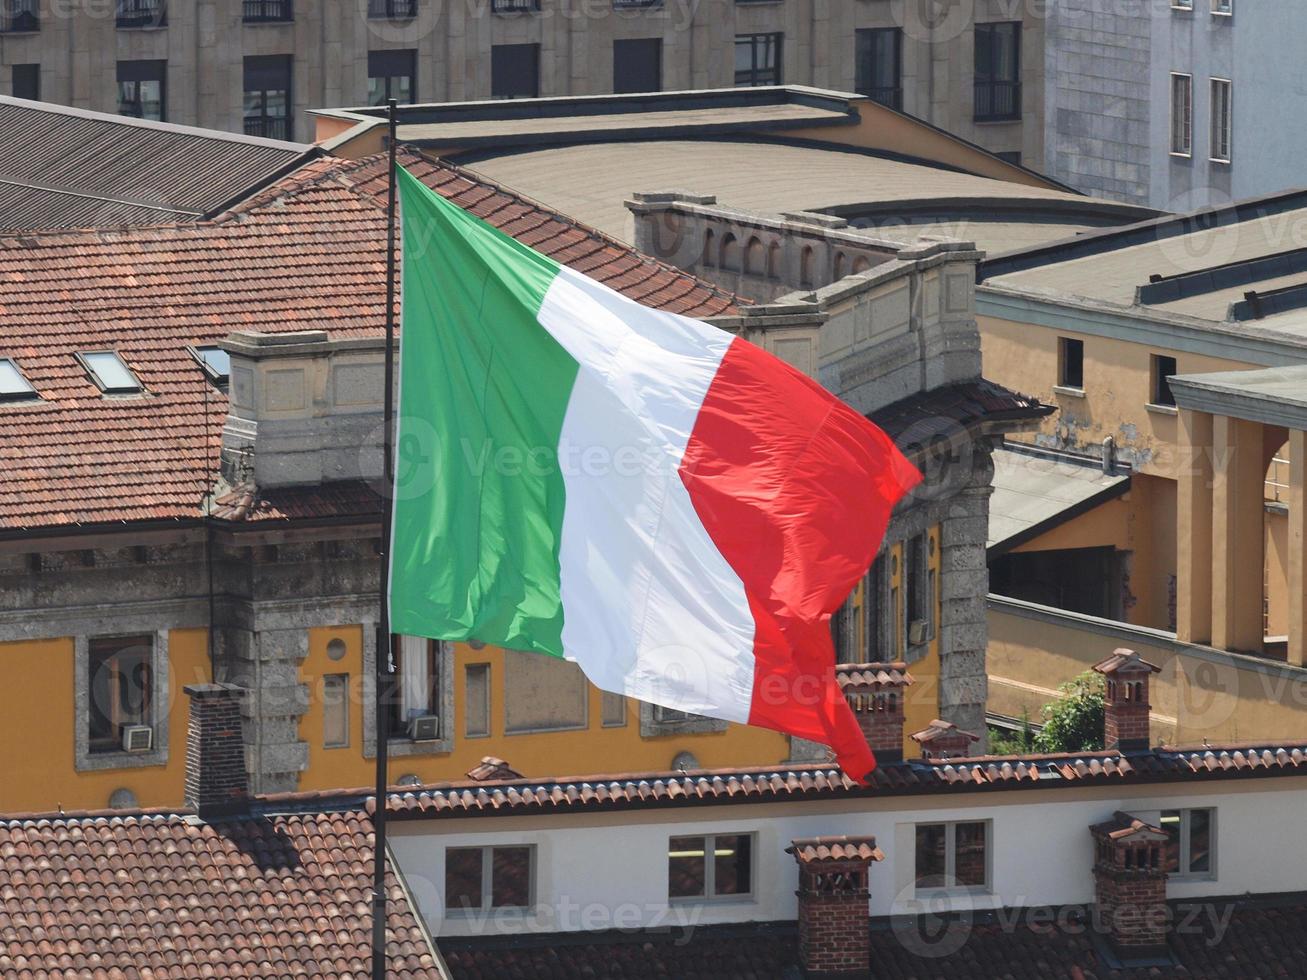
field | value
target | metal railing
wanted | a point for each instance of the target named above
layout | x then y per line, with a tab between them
142	13
392	9
266	11
20	16
997	101
271	127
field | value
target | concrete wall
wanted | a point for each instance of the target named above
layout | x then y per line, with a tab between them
1040	853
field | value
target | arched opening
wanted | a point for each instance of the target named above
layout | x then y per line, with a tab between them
730	253
754	257
805	267
709	257
840	264
861	264
774	261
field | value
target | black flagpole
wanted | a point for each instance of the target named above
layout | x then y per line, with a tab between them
383	671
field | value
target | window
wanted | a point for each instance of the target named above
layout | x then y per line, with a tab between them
141	89
1009	156
1222	120
478	878
514	6
265	11
998	71
27	82
1162	368
476	701
515	71
335	711
952	856
879	55
268	97
215	362
1223	8
1182	4
758	59
121	675
20	16
856	625
416	671
142	13
543	694
1070	363
1191	848
1182	114
612	710
715	866
392	9
13	386
108	371
638	65
392	75
920	590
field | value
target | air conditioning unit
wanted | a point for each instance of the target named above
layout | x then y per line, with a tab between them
138	738
918	632
425	728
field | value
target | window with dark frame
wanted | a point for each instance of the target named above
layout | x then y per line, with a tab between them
392	9
515	71
856	625
142	86
408	704
920	590
514	6
1162	369
214	362
480	878
952	856
1182	114
392	75
27	82
710	867
638	65
1191	844
20	16
1009	156
879	53
1070	363
120	671
14	387
998	71
109	372
141	13
267	11
758	59
268	96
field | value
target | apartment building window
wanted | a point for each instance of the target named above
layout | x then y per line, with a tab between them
417	682
998	71
121	676
856	625
1223	8
1191	847
1222	120
638	65
142	13
1182	114
20	16
476	700
27	82
921	589
1071	363
879	55
479	878
1009	156
708	867
1160	370
268	96
515	71
514	6
141	87
392	9
952	856
1182	4
267	11
758	59
335	711
392	75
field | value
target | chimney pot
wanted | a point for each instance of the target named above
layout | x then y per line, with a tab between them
944	740
876	693
834	931
1130	885
216	781
1126	700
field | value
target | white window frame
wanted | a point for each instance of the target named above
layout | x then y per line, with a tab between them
1226	131
709	895
1222	8
1188	123
950	859
1186	5
1184	874
487	880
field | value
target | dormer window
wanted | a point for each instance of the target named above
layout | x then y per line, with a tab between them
215	362
13	386
109	373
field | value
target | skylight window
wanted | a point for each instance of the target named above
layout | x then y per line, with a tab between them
109	372
13	386
215	361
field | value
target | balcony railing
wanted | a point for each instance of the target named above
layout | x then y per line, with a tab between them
997	101
392	9
514	6
19	17
267	11
142	13
271	127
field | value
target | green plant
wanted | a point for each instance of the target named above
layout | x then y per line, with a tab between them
1074	722
1020	742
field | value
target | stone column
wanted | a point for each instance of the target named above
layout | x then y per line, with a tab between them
1194	529
1297	547
1238	534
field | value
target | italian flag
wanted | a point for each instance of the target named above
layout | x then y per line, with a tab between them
665	504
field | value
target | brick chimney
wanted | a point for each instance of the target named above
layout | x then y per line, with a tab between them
1125	703
216	780
944	740
834	928
1130	885
876	692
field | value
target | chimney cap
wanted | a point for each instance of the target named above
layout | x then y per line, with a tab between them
201	692
492	767
1124	661
893	674
1127	828
806	850
939	729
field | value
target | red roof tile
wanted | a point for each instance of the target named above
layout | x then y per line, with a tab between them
816	849
308	252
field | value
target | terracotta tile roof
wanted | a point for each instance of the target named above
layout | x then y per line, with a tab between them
939	729
154	894
814	849
492	768
916	420
626	791
873	675
1123	661
306	253
1124	825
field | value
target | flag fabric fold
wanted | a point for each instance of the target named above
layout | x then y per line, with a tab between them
669	506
